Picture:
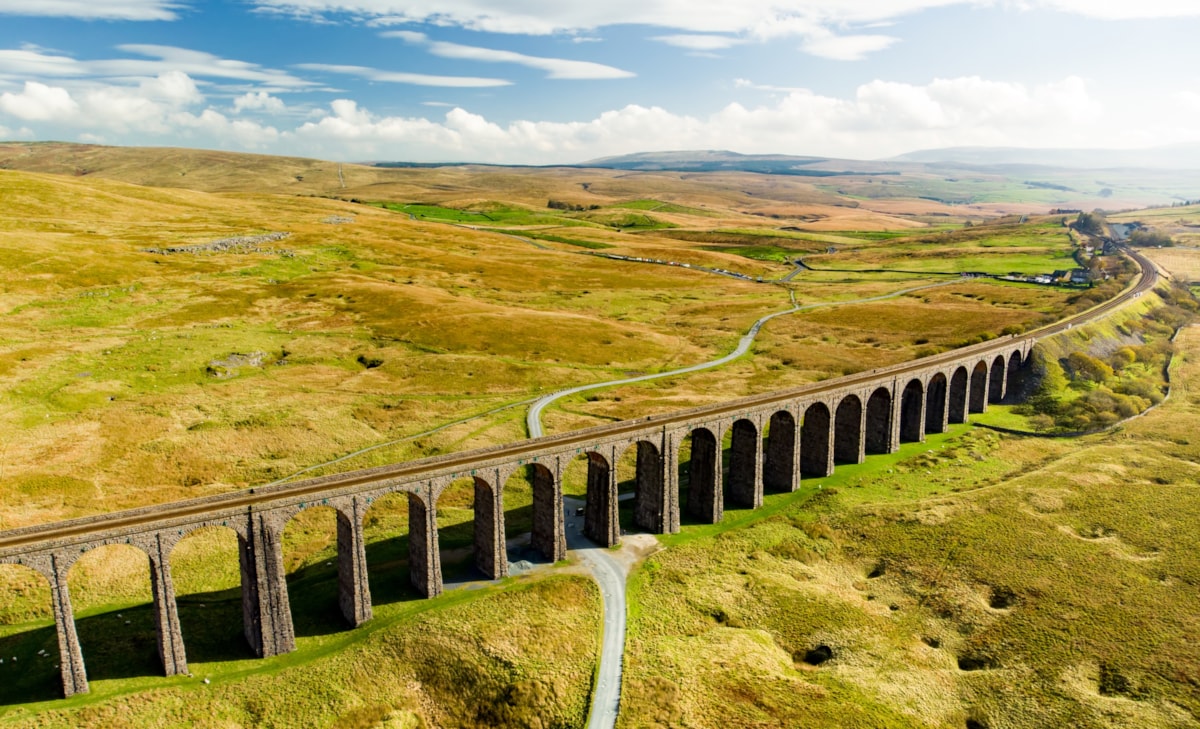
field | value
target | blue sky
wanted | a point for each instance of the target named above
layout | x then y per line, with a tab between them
541	81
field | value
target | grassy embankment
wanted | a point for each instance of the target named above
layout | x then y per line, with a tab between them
515	657
976	579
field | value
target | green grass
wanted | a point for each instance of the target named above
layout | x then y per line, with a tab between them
412	660
594	245
662	207
492	214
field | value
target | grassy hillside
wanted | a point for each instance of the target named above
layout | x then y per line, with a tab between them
977	579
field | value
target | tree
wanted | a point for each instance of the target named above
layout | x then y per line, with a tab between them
1089	223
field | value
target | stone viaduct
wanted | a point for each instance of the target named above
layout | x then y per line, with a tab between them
808	431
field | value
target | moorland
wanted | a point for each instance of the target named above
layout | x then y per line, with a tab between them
180	323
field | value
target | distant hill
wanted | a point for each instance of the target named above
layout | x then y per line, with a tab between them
1178	157
724	161
195	169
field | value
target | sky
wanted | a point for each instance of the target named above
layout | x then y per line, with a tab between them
563	81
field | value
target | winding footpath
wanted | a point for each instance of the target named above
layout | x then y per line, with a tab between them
533	421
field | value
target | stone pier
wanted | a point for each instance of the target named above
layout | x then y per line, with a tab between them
490	555
166	610
354	589
424	559
266	614
74	675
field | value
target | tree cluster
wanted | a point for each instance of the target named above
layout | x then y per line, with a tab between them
1089	390
1089	223
574	207
1150	238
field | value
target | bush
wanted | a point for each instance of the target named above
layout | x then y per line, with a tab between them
1086	367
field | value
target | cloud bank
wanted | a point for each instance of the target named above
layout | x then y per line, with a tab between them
880	119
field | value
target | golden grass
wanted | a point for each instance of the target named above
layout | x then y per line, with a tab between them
1005	581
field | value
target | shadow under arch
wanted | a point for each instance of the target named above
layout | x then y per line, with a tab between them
116	643
700	481
956	408
935	404
743	487
848	431
997	381
470	521
648	496
912	412
310	559
536	489
780	467
389	535
1016	367
878	424
816	441
979	387
33	677
205	567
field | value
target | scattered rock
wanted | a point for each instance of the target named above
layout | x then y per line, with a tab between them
932	642
240	244
223	369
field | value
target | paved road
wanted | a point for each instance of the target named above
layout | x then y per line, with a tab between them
608	573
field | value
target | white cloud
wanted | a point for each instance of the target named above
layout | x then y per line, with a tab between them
542	17
846	47
258	101
699	42
827	28
94	9
39	102
173	87
743	83
555	68
158	106
1123	9
157	59
881	119
195	63
403	77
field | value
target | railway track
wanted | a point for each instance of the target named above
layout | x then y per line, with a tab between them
18	540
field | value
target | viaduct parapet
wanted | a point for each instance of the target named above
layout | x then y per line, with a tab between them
809	430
